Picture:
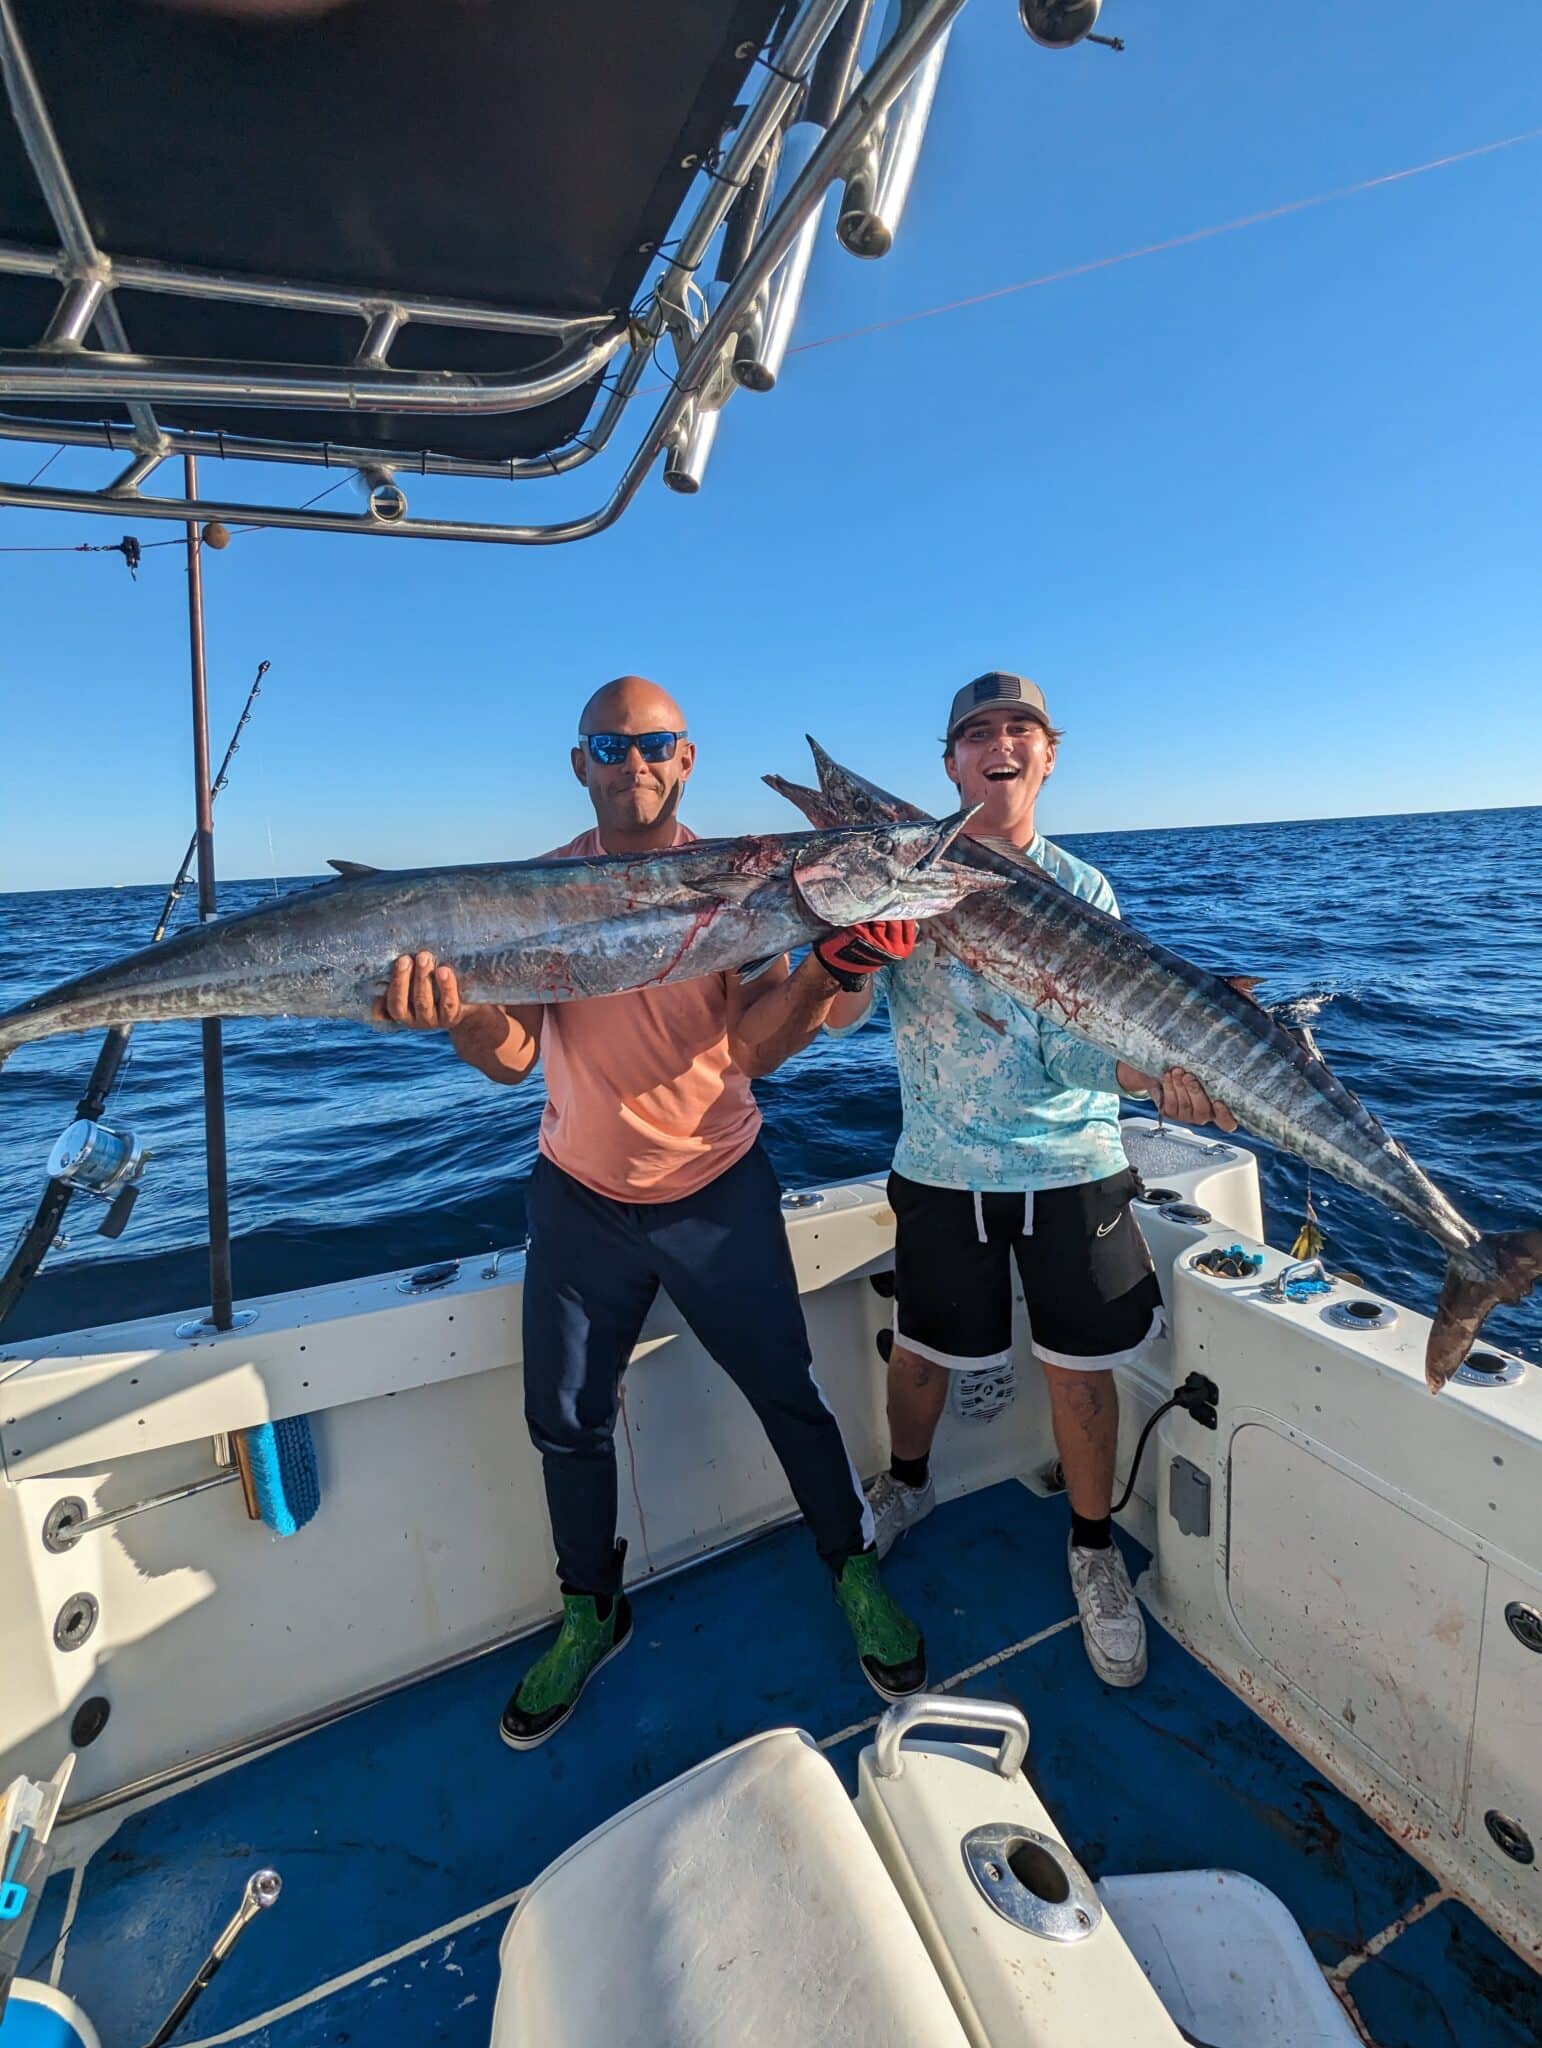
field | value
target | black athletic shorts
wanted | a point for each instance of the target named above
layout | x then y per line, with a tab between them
1087	1276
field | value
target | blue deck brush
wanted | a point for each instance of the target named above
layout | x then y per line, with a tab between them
284	1477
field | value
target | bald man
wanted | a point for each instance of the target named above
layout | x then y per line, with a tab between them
651	1172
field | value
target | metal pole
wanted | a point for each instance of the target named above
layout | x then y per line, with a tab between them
213	1050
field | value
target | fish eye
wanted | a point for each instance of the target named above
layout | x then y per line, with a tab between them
884	843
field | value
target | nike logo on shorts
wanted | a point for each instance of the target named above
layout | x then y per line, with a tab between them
1105	1228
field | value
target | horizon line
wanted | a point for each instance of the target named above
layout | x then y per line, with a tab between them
1079	832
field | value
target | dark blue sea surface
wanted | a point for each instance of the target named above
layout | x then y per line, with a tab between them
354	1152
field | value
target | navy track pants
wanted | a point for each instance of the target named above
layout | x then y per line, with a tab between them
591	1272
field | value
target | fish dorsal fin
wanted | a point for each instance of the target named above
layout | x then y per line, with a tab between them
354	870
1302	1034
1244	984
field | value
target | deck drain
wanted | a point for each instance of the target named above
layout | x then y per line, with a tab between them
1510	1836
1186	1212
1525	1624
91	1717
1157	1198
75	1621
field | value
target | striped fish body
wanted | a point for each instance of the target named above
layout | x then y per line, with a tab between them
1124	993
518	932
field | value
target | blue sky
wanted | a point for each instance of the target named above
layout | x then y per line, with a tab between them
1262	513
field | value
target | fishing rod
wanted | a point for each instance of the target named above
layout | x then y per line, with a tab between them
94	1159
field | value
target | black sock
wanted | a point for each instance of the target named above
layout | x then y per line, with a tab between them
1091	1533
910	1471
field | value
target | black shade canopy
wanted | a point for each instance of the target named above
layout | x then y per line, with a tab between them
525	154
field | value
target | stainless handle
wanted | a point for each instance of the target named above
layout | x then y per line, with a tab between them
1010	1723
262	1890
67	1521
1303	1269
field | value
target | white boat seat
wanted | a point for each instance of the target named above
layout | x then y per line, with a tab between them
1227	1959
741	1902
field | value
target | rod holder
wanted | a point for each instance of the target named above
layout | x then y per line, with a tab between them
878	188
758	357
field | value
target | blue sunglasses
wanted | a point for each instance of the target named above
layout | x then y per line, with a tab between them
610	749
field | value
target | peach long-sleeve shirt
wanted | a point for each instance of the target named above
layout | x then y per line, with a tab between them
644	1101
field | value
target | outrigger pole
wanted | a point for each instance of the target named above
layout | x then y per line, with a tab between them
220	1292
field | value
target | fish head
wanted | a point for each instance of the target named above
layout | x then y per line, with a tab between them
866	873
856	800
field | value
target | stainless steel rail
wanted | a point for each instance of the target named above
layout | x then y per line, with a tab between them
895	66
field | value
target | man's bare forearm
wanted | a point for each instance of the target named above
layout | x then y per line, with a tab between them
502	1044
784	1019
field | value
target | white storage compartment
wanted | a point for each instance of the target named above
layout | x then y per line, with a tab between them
1227	1959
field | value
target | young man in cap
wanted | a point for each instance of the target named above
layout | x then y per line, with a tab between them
651	1173
1011	1148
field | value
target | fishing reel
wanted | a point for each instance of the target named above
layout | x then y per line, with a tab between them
107	1164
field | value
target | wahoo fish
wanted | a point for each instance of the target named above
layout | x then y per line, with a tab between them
545	931
1133	998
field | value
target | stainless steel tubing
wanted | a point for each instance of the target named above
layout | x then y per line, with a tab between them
895	66
940	1708
83	260
761	351
357	387
180	281
686	461
62	1534
262	1890
875	196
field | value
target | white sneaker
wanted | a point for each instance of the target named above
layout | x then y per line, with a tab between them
897	1507
1113	1627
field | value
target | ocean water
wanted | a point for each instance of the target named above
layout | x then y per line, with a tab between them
1417	940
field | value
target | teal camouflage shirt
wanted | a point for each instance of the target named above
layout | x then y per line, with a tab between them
997	1098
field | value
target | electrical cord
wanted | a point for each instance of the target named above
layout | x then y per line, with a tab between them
1197	1397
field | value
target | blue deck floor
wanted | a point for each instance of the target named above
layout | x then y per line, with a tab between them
402	1833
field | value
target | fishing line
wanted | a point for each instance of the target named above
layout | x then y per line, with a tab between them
144	547
1162	248
1225	227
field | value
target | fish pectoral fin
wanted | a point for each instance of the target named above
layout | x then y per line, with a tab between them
354	870
1008	850
730	886
752	968
1244	984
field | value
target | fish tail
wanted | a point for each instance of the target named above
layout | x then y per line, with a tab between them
1501	1268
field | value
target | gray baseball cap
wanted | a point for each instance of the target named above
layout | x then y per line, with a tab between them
997	688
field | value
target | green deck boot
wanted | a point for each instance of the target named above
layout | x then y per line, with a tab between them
891	1648
549	1690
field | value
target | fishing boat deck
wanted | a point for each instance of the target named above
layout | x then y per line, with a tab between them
404	1832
